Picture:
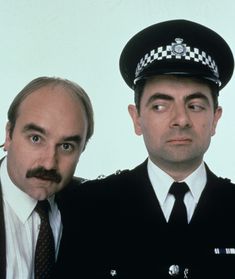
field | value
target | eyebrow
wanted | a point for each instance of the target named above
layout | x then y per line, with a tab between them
159	96
197	95
75	138
162	96
34	127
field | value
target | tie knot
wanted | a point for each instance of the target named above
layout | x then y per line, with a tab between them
42	208
179	189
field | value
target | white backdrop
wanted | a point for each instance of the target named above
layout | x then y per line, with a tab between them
82	41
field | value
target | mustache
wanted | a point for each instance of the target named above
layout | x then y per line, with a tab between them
42	173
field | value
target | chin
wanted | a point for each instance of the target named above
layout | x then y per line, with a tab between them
40	195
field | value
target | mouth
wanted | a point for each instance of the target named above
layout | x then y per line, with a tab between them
47	179
44	178
180	141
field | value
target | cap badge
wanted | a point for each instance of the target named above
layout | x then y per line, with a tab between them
174	270
178	48
113	272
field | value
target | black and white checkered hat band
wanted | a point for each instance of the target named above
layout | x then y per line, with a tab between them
177	51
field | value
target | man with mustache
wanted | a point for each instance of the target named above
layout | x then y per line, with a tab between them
169	217
49	124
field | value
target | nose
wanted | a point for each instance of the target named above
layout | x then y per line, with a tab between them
48	158
180	117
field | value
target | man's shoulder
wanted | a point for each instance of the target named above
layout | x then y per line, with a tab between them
75	181
222	188
70	188
79	186
117	180
226	186
219	181
111	178
104	186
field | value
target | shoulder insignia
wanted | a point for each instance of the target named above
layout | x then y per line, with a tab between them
84	180
225	179
117	172
101	176
120	171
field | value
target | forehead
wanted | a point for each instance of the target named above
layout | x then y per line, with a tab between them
175	86
48	95
53	105
49	91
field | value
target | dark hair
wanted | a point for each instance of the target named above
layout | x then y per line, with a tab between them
54	81
139	89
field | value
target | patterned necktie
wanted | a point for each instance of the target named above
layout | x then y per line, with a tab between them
179	212
45	247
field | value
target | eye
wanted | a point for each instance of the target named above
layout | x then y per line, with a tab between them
35	139
67	147
159	107
196	107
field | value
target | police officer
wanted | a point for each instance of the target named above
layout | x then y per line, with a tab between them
169	217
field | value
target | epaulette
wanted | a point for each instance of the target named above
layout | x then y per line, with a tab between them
101	176
117	172
225	179
104	177
84	180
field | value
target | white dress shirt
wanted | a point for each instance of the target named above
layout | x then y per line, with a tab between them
22	227
161	183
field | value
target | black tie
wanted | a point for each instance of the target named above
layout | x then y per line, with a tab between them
179	212
45	247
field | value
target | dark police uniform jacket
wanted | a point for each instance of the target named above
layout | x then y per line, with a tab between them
119	231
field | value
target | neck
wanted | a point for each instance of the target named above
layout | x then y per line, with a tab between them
178	171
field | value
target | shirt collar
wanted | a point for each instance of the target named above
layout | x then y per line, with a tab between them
196	181
20	202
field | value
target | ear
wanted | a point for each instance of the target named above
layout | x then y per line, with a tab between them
217	116
7	137
135	118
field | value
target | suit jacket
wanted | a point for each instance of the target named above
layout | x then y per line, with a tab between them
119	231
62	199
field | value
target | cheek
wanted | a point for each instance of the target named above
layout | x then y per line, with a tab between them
152	135
17	167
208	129
68	166
154	127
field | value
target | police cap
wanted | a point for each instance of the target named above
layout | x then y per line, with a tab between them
179	47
